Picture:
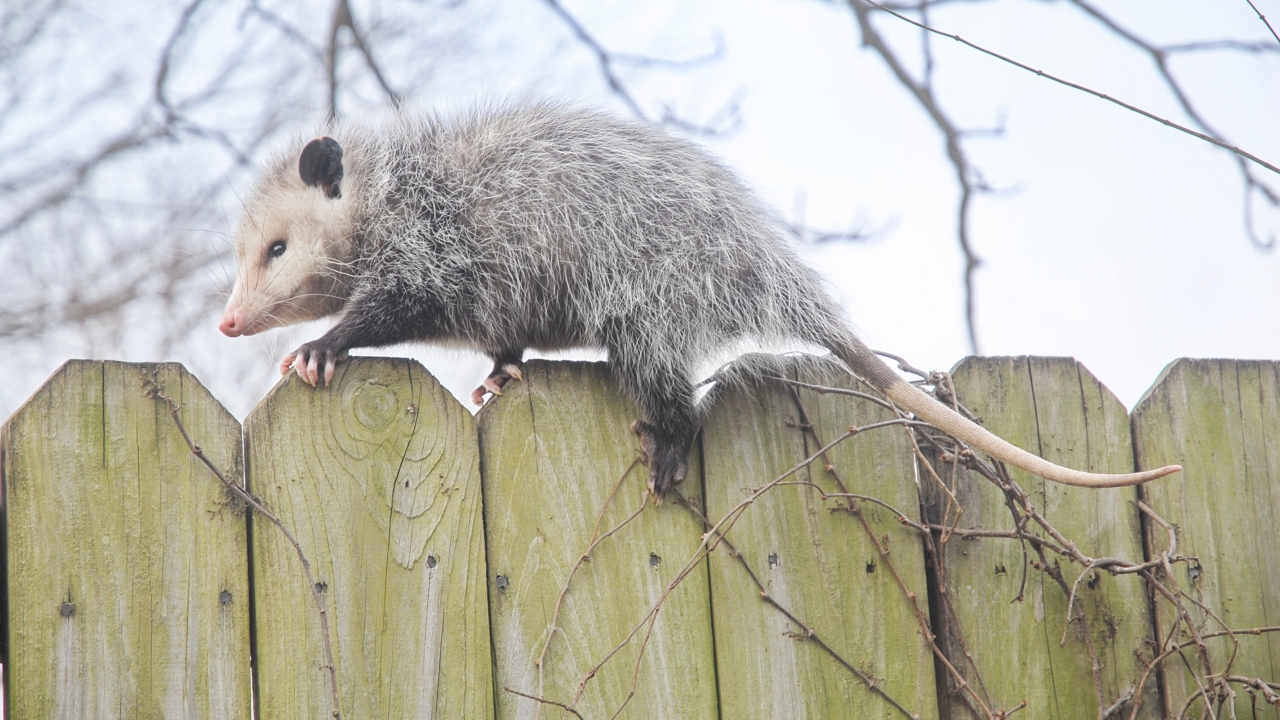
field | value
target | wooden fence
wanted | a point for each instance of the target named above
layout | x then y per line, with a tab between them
467	566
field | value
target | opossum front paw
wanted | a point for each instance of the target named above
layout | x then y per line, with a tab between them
493	384
668	458
312	359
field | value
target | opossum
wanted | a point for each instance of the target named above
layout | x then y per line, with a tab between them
548	227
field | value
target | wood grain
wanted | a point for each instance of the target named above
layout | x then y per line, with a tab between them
1220	419
378	478
554	447
1055	408
815	559
127	577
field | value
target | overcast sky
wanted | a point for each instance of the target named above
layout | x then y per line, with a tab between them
1114	239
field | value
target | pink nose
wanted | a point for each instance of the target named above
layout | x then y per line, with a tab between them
232	324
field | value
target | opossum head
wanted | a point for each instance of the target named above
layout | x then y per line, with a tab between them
294	243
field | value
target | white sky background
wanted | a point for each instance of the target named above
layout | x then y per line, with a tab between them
1120	242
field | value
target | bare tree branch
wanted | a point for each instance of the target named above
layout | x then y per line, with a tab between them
970	178
1252	185
1230	45
288	29
923	93
715	55
144	132
166	55
342	18
725	121
604	59
1263	18
1159	56
136	138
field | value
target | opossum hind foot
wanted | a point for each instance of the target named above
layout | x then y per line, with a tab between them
668	458
493	384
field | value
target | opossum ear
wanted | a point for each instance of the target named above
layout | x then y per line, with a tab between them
321	164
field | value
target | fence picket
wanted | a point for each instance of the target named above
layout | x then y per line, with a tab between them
127	580
377	476
814	559
1220	419
554	446
1055	407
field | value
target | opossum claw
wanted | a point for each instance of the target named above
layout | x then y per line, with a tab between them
495	382
491	385
300	366
313	362
668	459
312	375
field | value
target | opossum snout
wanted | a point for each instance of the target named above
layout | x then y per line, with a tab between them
239	318
233	323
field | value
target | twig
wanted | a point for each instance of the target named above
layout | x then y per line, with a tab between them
824	390
595	540
1268	689
903	365
807	633
1025	513
544	701
287	28
1115	707
715	55
156	391
730	114
926	630
342	17
710	540
166	55
1169	123
602	58
1263	18
955	151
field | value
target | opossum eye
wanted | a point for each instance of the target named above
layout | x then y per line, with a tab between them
277	249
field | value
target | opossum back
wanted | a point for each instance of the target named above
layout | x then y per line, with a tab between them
573	212
634	218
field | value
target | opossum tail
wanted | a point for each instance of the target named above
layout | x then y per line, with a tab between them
905	395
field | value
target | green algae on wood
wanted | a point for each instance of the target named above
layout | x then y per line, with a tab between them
1219	419
377	476
127	578
554	447
1055	408
815	558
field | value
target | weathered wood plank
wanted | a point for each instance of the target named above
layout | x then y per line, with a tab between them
1219	419
1056	408
378	478
128	584
554	448
817	562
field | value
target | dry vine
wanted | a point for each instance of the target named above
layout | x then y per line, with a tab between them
155	391
1218	681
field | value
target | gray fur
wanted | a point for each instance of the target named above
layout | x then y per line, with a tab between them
545	225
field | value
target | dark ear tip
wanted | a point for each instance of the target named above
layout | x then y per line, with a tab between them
321	164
